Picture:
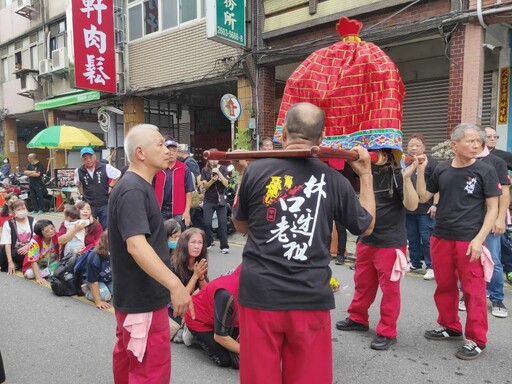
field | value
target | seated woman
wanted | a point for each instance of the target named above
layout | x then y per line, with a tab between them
173	232
190	259
16	235
99	286
189	263
215	327
92	232
43	254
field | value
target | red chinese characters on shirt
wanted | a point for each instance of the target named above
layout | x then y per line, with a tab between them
93	41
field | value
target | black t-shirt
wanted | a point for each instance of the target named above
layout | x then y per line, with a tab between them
38	167
212	194
506	156
429	170
224	307
133	210
499	165
389	230
290	205
462	193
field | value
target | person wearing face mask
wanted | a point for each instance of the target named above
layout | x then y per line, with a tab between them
99	286
5	169
189	262
173	231
16	236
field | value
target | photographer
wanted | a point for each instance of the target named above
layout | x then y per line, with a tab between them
214	181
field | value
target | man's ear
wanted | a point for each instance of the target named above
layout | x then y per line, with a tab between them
321	138
284	136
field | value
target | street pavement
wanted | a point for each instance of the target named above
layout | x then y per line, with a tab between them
50	339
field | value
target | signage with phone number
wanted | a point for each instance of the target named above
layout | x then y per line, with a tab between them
225	22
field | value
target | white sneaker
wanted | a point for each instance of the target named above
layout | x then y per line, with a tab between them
175	327
188	337
224	251
429	275
462	304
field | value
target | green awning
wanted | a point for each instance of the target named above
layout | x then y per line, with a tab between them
67	100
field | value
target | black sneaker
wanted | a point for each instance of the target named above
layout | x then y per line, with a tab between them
349	325
443	333
382	343
470	350
340	260
499	309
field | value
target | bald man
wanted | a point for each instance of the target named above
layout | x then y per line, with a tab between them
287	207
35	171
143	281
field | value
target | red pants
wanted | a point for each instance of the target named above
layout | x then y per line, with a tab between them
288	347
155	368
451	263
373	269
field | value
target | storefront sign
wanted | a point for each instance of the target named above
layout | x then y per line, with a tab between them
503	97
93	44
67	100
225	22
12	146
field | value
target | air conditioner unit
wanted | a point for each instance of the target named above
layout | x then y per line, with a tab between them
28	83
60	60
24	3
45	67
24	8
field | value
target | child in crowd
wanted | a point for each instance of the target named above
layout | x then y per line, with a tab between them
43	254
16	236
189	263
173	231
6	213
71	220
99	287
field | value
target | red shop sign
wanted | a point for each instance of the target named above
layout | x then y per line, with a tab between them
93	44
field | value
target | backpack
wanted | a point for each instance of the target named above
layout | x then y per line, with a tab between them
64	282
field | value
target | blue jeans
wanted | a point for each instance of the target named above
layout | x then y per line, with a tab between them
495	286
106	291
419	230
506	252
101	213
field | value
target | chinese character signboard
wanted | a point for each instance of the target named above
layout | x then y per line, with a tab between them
503	97
225	21
93	42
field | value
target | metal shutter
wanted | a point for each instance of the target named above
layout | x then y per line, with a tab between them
426	111
487	101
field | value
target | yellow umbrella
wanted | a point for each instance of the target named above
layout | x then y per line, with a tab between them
64	137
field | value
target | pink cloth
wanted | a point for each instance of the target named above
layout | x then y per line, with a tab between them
137	324
487	264
484	153
400	266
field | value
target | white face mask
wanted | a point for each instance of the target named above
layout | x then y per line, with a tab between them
21	214
5	161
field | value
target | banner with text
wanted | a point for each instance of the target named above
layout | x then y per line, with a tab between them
93	44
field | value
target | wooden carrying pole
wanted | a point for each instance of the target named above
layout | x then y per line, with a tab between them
378	157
